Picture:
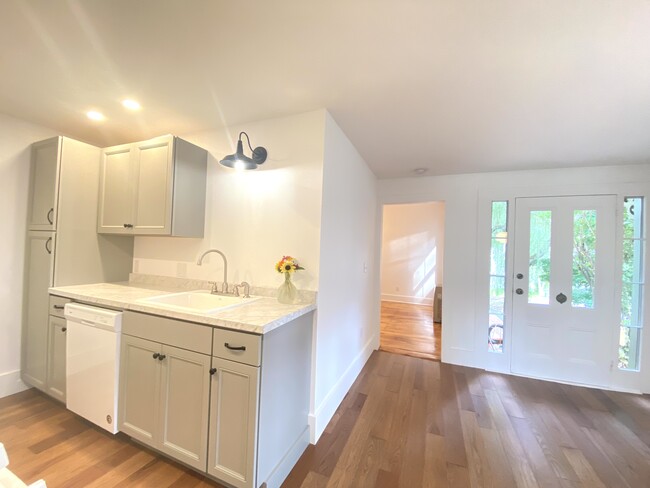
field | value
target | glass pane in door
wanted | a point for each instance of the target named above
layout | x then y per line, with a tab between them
584	258
539	267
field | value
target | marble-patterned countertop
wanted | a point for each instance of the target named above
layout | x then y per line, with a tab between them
259	317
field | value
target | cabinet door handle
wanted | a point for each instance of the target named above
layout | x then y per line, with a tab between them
63	329
59	307
48	245
213	371
155	355
234	348
161	357
50	214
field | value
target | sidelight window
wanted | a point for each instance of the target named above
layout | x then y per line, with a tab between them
633	283
499	242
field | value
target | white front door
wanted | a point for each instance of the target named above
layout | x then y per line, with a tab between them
564	282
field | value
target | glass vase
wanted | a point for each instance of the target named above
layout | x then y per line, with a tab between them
287	293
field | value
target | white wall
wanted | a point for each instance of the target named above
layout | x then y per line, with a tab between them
254	217
412	251
16	137
466	257
347	313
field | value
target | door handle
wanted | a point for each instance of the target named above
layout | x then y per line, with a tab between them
213	371
519	291
48	245
50	214
561	298
63	329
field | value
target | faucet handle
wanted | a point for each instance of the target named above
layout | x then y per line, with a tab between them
247	289
214	287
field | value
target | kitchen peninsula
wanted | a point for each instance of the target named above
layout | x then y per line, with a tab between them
225	392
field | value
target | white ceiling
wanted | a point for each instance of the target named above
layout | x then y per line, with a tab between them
454	86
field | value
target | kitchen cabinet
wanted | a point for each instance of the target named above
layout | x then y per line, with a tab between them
62	248
56	359
233	422
251	390
156	381
154	187
39	272
44	179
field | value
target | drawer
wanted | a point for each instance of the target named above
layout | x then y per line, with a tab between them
237	346
57	304
177	333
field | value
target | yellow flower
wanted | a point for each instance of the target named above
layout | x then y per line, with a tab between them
287	265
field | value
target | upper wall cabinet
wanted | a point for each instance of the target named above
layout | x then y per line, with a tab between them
154	187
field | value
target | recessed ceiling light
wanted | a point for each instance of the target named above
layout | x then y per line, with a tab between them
420	171
131	104
94	115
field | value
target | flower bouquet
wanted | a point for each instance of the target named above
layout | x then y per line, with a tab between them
287	293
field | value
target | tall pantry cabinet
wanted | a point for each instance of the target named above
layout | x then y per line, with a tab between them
62	248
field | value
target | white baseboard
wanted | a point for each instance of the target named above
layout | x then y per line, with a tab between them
11	383
284	467
325	411
406	299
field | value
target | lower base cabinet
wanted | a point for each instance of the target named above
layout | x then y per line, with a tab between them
164	398
180	380
56	339
233	422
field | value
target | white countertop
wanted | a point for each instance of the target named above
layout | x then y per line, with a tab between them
259	317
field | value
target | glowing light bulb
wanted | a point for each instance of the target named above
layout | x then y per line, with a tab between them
131	104
94	115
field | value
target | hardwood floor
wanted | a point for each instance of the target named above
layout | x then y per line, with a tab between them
408	423
405	423
409	329
44	440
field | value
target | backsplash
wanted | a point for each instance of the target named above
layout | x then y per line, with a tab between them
183	284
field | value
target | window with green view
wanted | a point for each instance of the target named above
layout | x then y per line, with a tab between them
496	313
633	284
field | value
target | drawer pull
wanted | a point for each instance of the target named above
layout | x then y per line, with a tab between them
234	348
59	307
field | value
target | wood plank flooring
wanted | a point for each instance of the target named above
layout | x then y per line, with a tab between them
409	329
44	440
408	423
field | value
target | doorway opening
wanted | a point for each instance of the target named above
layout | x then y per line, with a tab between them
412	278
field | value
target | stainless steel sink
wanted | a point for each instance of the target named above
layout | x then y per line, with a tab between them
199	301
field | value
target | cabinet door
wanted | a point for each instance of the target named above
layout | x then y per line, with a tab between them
233	422
185	396
115	213
43	185
39	274
139	389
153	196
56	358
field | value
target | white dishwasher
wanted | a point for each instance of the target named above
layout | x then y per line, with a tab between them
92	363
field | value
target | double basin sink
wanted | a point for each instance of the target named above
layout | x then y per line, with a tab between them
199	301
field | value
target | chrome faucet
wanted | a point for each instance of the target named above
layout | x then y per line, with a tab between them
247	289
224	289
